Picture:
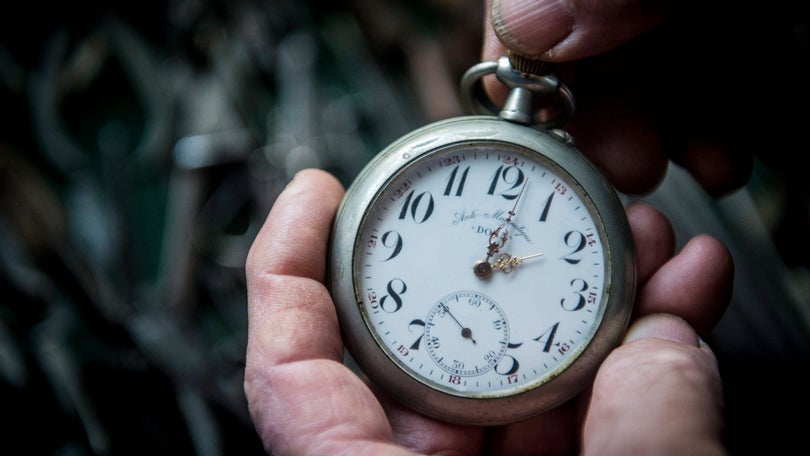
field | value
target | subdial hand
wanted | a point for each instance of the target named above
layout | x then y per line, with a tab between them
465	331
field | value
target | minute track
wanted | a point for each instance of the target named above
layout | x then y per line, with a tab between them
450	343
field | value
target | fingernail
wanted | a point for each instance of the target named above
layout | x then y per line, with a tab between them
297	178
531	27
662	326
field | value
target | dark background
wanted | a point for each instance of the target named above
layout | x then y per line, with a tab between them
142	144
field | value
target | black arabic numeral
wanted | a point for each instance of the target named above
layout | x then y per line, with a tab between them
547	337
506	174
393	295
507	369
451	181
579	286
546	207
576	241
417	322
392	240
419	216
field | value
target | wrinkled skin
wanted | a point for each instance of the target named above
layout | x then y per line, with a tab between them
303	400
638	107
651	83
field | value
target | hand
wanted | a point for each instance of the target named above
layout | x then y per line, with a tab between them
651	83
659	392
495	244
465	331
507	263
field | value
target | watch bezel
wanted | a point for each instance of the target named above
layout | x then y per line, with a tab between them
424	396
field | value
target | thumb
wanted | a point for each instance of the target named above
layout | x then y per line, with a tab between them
564	30
659	393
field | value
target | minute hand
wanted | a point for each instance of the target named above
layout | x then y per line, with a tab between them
496	244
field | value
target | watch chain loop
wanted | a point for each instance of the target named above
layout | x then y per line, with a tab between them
524	87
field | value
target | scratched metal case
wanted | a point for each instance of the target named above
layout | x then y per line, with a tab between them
403	383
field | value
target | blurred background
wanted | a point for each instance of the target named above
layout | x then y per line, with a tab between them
142	145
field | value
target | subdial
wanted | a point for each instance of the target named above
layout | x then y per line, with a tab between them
466	333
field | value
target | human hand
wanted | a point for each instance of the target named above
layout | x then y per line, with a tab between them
659	390
652	82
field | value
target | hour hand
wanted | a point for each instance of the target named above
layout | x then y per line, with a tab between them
505	262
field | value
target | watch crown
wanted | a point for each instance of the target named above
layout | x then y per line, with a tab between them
528	65
562	135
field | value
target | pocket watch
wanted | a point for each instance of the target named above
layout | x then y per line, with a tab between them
481	267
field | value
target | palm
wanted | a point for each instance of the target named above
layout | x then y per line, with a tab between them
304	400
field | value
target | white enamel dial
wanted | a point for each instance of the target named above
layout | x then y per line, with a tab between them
426	233
481	281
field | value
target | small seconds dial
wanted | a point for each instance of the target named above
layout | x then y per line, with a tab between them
466	333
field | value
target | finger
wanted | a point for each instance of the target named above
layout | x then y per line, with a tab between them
717	168
653	237
565	30
285	270
659	393
301	397
551	433
294	238
426	436
696	285
492	46
627	146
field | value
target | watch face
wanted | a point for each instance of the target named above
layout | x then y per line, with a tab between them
481	270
